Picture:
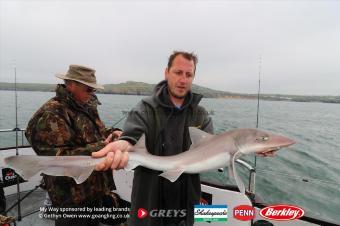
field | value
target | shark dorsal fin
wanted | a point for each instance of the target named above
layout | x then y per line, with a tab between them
140	143
139	148
198	136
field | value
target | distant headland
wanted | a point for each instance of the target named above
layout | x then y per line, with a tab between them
141	88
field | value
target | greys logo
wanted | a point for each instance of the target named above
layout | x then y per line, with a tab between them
162	213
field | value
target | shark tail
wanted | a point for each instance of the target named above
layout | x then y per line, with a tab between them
28	166
25	165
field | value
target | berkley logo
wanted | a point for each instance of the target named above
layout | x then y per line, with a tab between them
282	212
244	212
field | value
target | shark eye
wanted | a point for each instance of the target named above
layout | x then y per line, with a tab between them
263	138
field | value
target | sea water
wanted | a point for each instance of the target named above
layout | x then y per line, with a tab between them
306	174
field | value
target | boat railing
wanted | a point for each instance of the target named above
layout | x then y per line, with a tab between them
20	142
251	176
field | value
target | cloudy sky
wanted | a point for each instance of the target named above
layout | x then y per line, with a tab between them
299	41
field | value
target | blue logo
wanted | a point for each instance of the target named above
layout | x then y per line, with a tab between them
213	213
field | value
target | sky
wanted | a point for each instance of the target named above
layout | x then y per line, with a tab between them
293	45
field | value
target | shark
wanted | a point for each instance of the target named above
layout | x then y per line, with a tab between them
207	152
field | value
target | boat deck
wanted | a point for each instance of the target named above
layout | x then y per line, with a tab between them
29	208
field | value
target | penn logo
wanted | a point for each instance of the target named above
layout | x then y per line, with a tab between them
244	212
282	212
142	213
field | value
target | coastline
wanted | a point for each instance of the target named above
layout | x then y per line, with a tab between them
145	89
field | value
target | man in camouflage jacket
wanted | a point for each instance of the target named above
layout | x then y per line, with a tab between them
69	124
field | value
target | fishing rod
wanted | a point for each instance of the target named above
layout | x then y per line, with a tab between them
16	139
119	120
252	176
16	111
258	99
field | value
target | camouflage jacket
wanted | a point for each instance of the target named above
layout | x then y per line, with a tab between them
64	127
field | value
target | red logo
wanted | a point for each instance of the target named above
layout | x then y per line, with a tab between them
244	212
282	212
142	213
9	173
203	201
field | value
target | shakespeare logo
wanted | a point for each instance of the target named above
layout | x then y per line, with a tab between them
212	213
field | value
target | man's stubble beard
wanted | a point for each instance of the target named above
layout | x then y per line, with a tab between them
176	96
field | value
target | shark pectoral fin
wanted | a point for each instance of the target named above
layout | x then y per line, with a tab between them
141	142
198	136
131	165
172	175
86	173
79	174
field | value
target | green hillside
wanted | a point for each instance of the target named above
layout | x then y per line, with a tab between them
142	88
28	86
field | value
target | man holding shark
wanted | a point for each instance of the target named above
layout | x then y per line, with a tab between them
164	118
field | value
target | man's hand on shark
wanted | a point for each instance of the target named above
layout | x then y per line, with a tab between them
108	139
113	137
116	134
116	155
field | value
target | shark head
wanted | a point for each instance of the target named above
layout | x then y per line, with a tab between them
256	141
